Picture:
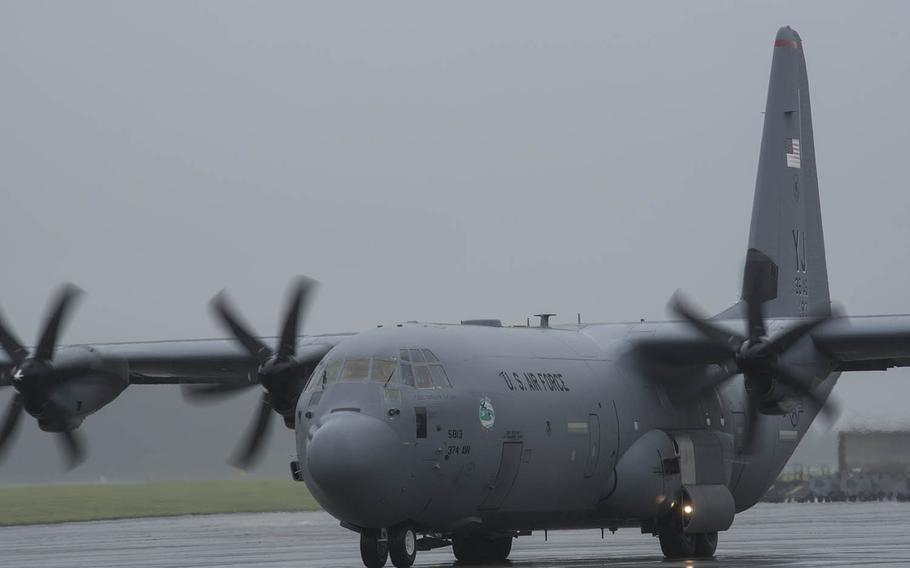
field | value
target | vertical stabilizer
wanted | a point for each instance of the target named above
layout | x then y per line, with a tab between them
786	216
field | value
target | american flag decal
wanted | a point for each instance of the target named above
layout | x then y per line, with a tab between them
793	153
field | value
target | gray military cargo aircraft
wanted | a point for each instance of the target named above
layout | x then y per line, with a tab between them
424	435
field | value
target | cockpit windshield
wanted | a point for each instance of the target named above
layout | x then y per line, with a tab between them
418	368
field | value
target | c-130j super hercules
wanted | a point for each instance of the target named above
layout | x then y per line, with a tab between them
419	436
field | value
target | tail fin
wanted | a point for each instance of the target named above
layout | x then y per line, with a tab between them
786	215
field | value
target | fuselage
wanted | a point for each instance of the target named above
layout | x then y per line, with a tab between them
449	427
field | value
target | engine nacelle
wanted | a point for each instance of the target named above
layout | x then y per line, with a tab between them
682	472
70	400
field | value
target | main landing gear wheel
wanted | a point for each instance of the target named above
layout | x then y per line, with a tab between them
477	549
705	545
402	547
675	543
374	548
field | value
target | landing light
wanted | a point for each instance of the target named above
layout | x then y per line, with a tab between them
688	509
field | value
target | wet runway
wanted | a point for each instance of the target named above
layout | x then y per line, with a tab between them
837	534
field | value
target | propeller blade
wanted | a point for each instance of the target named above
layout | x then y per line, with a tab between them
226	316
11	344
801	384
751	432
250	450
201	394
73	448
296	306
10	423
62	308
759	286
755	320
717	335
725	372
786	339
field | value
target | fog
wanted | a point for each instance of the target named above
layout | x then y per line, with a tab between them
422	161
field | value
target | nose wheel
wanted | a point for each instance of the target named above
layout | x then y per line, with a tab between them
374	548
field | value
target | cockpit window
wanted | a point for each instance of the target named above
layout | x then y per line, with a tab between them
356	369
440	379
383	370
325	373
415	368
331	371
407	376
422	379
421	368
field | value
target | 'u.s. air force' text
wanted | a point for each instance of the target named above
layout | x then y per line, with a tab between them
541	382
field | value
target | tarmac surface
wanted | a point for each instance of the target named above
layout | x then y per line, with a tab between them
792	535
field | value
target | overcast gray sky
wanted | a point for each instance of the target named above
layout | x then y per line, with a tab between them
423	161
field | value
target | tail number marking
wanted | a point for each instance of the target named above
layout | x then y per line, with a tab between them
801	280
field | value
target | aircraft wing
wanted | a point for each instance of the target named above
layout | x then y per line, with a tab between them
191	361
866	343
853	343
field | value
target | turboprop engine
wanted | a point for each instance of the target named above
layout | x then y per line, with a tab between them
58	386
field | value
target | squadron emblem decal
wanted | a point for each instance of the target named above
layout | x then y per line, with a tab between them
486	413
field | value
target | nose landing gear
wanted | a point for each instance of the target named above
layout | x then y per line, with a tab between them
378	545
374	547
402	547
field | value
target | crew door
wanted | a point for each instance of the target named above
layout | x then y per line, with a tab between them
505	477
593	445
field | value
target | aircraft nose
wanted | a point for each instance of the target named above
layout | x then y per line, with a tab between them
357	464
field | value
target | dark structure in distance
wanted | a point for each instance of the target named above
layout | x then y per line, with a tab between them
872	466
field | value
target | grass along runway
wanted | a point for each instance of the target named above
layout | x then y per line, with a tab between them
36	504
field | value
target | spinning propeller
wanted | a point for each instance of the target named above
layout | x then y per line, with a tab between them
279	371
35	375
756	356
